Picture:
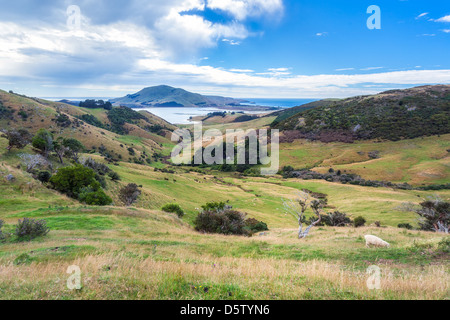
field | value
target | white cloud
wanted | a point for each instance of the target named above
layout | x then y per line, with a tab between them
243	9
231	42
124	56
422	15
242	70
446	30
321	34
371	68
345	69
443	19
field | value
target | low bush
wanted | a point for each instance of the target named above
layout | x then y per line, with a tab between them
129	194
226	221
173	208
405	226
254	225
359	222
28	229
44	176
94	195
444	245
218	217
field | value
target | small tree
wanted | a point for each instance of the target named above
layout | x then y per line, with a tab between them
434	214
298	208
18	139
60	149
129	194
74	147
43	141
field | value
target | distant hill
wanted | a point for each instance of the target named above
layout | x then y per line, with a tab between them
391	115
166	96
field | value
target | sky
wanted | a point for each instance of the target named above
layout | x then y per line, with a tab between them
237	48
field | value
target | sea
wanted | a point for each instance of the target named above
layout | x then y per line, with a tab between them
182	115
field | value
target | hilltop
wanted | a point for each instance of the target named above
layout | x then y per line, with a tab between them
391	115
166	96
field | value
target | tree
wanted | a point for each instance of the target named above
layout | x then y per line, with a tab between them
74	148
43	141
129	194
17	138
298	208
60	149
434	215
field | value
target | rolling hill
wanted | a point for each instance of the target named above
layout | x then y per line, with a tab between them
391	115
113	132
166	96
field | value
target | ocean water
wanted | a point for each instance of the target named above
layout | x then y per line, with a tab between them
281	103
182	115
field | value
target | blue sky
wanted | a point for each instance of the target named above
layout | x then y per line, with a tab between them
239	48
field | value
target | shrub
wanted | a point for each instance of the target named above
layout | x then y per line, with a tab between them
28	229
337	219
24	258
444	245
173	208
129	194
405	226
71	180
226	221
94	195
114	176
214	206
44	176
359	222
254	225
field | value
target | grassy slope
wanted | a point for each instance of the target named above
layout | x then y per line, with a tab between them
144	253
41	114
416	161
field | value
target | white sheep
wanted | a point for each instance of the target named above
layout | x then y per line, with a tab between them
375	241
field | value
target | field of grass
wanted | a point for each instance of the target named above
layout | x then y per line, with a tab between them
144	253
416	161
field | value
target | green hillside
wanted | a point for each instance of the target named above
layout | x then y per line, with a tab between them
391	115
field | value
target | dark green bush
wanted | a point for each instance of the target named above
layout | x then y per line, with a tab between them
71	180
226	221
173	208
359	222
214	206
80	182
114	176
44	176
254	225
337	219
94	195
28	229
405	226
444	245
